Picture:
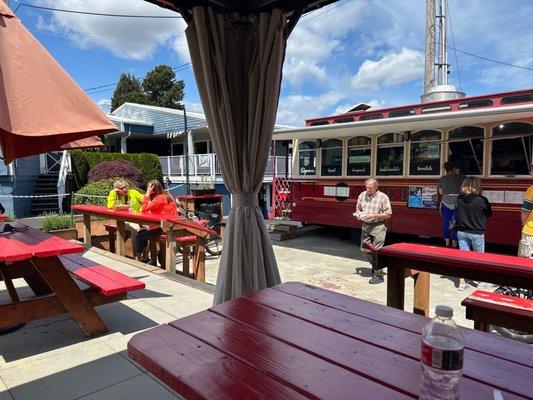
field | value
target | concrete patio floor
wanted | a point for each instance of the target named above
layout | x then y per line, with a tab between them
51	358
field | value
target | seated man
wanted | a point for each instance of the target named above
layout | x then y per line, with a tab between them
122	198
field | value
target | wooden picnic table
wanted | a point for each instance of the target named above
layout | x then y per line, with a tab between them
400	258
39	258
172	225
297	341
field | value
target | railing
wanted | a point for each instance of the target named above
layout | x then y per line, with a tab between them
207	165
65	167
50	162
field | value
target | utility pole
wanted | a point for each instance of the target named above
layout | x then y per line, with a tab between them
429	70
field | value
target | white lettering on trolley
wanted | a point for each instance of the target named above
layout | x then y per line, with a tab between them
305	171
426	168
389	169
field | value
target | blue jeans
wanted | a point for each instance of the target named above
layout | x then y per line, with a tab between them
471	241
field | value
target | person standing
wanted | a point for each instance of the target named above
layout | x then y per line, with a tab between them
449	188
473	210
525	247
373	208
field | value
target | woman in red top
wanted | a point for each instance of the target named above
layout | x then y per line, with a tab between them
157	201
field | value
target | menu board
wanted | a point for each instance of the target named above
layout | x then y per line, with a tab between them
514	197
494	196
422	197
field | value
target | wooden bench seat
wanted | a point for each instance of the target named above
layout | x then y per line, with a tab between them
486	308
105	280
111	229
186	243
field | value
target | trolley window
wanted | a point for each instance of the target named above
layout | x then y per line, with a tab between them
466	149
343	120
317	123
307	158
402	113
523	98
390	154
359	153
475	104
368	117
331	157
511	149
425	153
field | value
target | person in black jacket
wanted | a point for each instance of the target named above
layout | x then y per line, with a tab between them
473	211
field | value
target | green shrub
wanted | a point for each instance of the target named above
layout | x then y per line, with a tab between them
54	222
83	161
100	188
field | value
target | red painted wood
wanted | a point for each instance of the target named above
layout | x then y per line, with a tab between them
489	344
402	374
183	240
12	250
509	376
309	375
510	264
124	215
502	299
199	371
108	281
204	196
3	218
187	223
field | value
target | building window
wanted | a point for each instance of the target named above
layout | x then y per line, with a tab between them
425	153
203	147
177	149
511	149
390	154
359	153
331	157
466	149
307	158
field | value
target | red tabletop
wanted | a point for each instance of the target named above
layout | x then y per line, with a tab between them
203	196
125	215
29	242
3	217
297	341
189	223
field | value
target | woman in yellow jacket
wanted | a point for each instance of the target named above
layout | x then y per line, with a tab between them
123	198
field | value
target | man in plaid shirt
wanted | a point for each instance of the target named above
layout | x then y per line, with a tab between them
373	208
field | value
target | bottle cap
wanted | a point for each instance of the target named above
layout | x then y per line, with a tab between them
444	311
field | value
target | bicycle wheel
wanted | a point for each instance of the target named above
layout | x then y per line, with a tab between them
525	337
214	243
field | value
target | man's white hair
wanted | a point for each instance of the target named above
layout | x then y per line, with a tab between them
372	182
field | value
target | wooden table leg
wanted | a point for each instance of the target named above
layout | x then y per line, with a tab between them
395	287
199	259
421	293
121	238
70	295
4	270
186	252
170	251
87	229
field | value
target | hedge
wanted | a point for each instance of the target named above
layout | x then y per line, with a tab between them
83	161
100	188
118	168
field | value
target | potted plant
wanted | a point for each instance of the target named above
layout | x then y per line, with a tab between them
59	225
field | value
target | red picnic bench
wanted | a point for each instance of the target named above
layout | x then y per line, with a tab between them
486	309
297	341
399	258
48	264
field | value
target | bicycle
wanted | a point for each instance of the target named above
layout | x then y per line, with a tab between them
525	337
213	242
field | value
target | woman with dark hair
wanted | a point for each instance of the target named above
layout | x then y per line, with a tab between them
473	211
156	201
449	189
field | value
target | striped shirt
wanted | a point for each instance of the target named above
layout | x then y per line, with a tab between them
527	206
378	203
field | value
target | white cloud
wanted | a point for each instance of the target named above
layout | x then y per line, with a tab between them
105	105
194	107
393	69
295	109
130	38
374	103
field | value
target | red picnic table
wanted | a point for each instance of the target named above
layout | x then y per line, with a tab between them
297	341
48	263
171	224
400	258
3	218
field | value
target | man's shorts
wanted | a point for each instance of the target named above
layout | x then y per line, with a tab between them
525	247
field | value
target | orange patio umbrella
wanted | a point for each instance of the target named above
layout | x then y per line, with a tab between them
41	107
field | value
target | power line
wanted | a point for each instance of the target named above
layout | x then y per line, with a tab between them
95	13
315	16
110	85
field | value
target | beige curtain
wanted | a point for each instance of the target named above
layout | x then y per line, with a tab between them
237	62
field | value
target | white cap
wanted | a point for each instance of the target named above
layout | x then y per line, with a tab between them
444	311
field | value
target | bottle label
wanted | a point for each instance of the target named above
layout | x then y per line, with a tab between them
446	360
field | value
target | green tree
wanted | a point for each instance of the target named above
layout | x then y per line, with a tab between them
128	90
162	89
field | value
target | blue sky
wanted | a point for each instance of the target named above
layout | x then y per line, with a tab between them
352	51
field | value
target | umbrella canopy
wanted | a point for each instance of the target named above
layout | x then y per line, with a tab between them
93	142
41	107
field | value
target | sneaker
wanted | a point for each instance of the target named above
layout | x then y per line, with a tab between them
375	280
462	286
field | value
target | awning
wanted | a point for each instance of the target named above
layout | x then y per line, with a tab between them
411	123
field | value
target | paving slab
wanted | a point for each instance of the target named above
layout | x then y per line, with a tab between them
4	393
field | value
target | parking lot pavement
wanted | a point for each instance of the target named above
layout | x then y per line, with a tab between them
319	257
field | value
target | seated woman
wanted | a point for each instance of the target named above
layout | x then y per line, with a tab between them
157	201
123	198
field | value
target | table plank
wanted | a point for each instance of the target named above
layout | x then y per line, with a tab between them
43	244
486	343
199	371
400	373
509	376
123	215
13	251
309	375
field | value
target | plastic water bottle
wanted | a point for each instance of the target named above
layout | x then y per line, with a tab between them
442	357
